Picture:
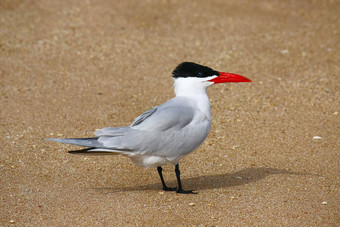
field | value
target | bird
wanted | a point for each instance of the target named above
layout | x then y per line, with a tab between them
168	132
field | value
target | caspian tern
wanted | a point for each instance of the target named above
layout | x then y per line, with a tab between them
168	132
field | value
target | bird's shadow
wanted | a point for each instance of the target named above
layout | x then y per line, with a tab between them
215	181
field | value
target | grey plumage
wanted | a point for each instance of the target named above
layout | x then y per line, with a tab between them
85	142
161	135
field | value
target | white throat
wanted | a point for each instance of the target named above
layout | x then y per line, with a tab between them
192	86
196	90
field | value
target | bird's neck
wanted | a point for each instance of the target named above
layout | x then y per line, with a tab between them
191	86
196	90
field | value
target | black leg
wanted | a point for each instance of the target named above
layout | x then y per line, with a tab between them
165	188
180	189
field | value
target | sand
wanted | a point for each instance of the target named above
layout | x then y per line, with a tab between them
70	67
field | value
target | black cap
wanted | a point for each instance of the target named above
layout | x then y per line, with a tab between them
190	69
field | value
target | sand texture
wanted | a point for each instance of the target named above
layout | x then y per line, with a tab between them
69	67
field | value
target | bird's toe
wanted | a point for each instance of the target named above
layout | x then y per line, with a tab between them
169	189
181	191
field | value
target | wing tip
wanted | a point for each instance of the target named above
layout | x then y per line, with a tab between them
82	151
53	139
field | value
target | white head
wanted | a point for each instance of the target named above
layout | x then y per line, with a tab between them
192	78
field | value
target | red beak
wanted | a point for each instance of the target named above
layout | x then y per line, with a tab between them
229	78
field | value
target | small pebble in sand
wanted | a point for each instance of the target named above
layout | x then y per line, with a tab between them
192	204
11	221
316	137
284	51
324	203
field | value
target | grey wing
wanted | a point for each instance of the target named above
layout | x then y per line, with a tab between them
169	131
111	131
138	120
174	114
112	137
158	129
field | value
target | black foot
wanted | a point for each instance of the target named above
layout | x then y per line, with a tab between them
181	191
169	189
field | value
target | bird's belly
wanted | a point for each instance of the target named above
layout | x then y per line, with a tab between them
149	161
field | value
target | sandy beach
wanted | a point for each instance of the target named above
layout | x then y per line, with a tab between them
70	67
